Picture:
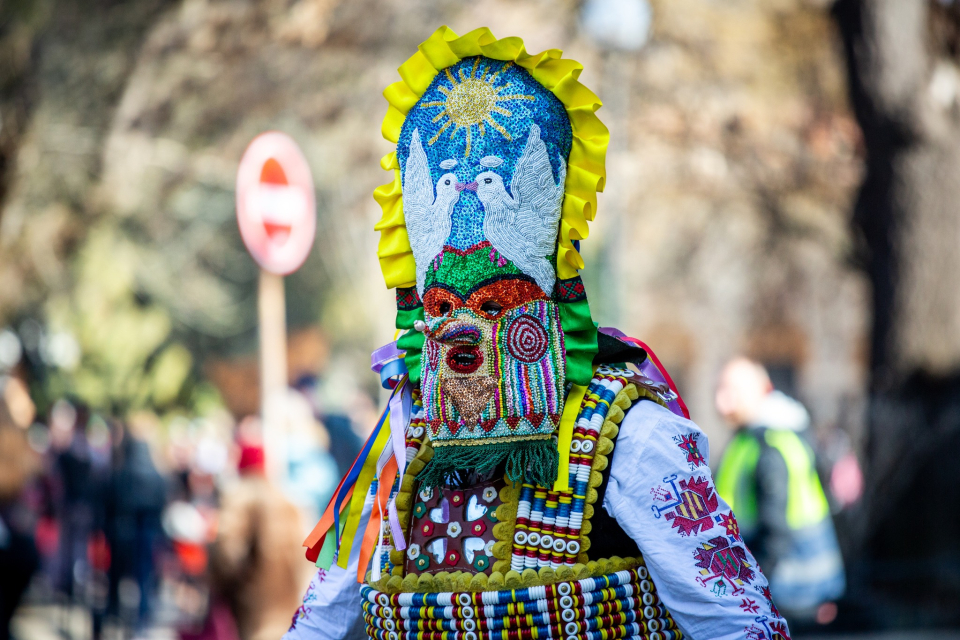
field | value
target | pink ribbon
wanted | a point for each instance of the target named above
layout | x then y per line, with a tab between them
401	405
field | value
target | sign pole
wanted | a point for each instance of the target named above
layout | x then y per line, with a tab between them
277	217
271	307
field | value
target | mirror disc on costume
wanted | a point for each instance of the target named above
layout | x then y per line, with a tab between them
437	548
471	547
441	515
475	510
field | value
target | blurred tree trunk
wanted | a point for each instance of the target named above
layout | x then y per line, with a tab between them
63	68
19	22
904	79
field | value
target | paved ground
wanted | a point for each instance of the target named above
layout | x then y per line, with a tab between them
51	622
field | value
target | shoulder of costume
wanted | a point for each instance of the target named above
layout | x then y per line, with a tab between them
652	380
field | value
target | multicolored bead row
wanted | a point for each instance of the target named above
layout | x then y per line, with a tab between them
549	523
506	596
633	631
618	605
494	615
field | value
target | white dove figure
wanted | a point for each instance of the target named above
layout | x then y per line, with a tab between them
523	228
428	219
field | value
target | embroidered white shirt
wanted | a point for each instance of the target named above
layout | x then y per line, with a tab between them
661	492
331	607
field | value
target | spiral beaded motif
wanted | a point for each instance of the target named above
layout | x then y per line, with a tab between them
527	340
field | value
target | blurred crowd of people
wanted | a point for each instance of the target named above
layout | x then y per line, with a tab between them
144	527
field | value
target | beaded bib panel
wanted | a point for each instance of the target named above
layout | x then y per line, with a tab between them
507	561
453	530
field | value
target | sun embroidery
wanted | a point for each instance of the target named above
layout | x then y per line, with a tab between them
472	101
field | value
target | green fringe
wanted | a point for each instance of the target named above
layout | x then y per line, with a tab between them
535	461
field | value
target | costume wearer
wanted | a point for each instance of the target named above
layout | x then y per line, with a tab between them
512	421
768	473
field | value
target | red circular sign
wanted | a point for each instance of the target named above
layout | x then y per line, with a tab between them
276	209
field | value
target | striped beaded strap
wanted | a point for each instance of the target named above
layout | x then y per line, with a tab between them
549	523
504	596
602	601
632	631
496	617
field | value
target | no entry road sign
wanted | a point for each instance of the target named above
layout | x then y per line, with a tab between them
276	209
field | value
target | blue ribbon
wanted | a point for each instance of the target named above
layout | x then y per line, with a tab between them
391	373
355	470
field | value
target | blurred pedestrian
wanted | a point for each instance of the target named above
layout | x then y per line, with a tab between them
344	443
768	476
308	472
18	551
256	562
76	507
135	502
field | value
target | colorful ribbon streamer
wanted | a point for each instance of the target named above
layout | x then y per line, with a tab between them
363	481
383	457
401	405
652	368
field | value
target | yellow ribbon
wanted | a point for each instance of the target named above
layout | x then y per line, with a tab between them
362	488
568	421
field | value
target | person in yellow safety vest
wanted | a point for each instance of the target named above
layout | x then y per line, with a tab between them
768	477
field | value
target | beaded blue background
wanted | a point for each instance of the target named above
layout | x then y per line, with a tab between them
545	110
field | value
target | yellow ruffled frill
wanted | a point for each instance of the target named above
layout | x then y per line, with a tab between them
586	172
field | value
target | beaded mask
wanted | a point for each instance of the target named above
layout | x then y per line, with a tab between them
494	168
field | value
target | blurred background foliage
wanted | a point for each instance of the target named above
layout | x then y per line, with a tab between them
733	162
